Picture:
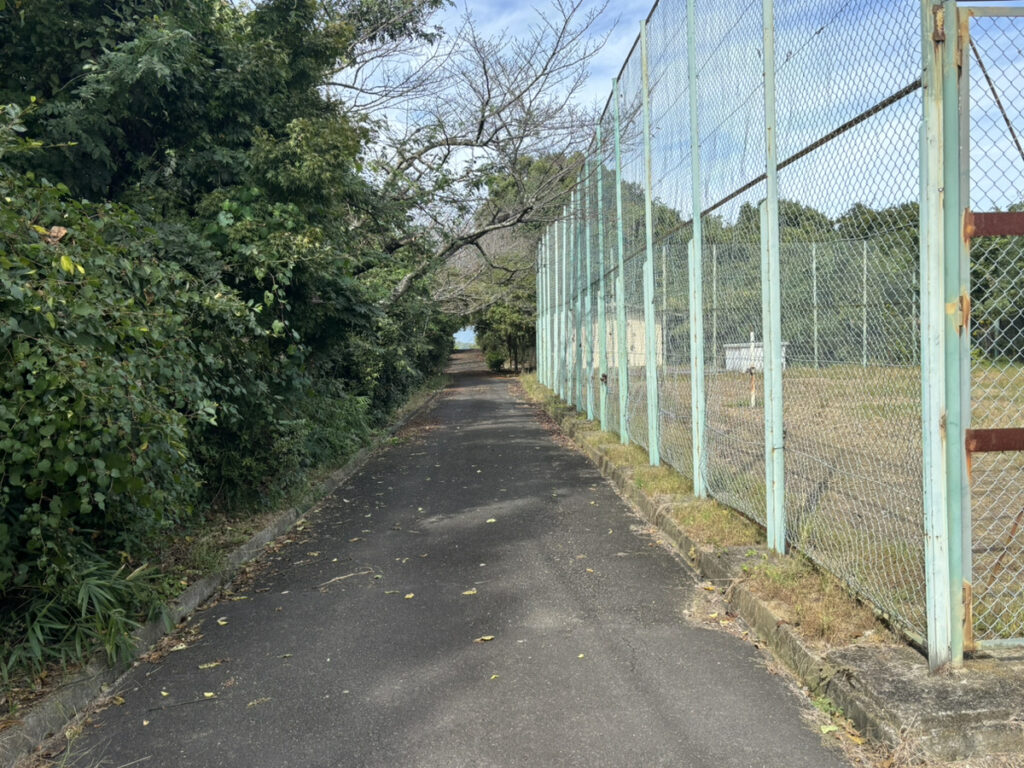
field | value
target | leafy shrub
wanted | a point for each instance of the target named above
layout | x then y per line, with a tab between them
495	359
98	387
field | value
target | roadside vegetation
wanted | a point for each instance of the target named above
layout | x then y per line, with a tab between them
223	267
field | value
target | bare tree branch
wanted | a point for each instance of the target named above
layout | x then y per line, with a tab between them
479	134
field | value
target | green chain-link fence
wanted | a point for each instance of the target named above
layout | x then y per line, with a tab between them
767	229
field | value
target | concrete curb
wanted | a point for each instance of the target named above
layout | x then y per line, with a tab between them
58	709
885	691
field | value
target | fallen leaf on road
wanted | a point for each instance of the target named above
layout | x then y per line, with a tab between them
209	695
179	647
470	591
494	677
257	702
354	540
209	665
829	728
223	620
491	520
145	723
164	693
580	656
410	596
484	639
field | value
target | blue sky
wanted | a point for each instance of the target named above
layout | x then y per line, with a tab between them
835	58
466	335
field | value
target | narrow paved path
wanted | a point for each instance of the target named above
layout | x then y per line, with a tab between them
363	641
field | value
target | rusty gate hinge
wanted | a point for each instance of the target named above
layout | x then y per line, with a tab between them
964	321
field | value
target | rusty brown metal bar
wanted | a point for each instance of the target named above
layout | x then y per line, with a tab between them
995	440
998	224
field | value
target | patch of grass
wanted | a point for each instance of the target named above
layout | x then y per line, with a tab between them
662	480
814	602
599	438
708	522
628	456
204	548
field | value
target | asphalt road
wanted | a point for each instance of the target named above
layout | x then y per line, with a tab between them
362	641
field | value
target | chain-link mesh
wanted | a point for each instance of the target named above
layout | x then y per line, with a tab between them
634	241
849	106
671	212
731	156
848	224
995	63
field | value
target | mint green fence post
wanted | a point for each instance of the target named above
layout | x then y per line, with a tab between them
602	327
549	302
563	308
538	325
771	278
695	254
651	338
956	293
938	581
620	279
578	272
588	284
567	309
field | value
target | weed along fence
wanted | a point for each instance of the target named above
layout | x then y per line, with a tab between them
793	268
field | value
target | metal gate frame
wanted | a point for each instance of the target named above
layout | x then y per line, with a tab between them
978	224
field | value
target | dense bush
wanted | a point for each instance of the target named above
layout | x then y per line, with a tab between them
213	326
98	389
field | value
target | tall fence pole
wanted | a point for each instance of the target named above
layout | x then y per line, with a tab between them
563	309
966	515
696	265
551	306
577	255
938	578
541	311
771	350
956	294
570	307
651	336
602	342
587	212
620	278
553	313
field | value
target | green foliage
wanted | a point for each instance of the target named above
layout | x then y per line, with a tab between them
213	326
495	359
506	331
99	382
